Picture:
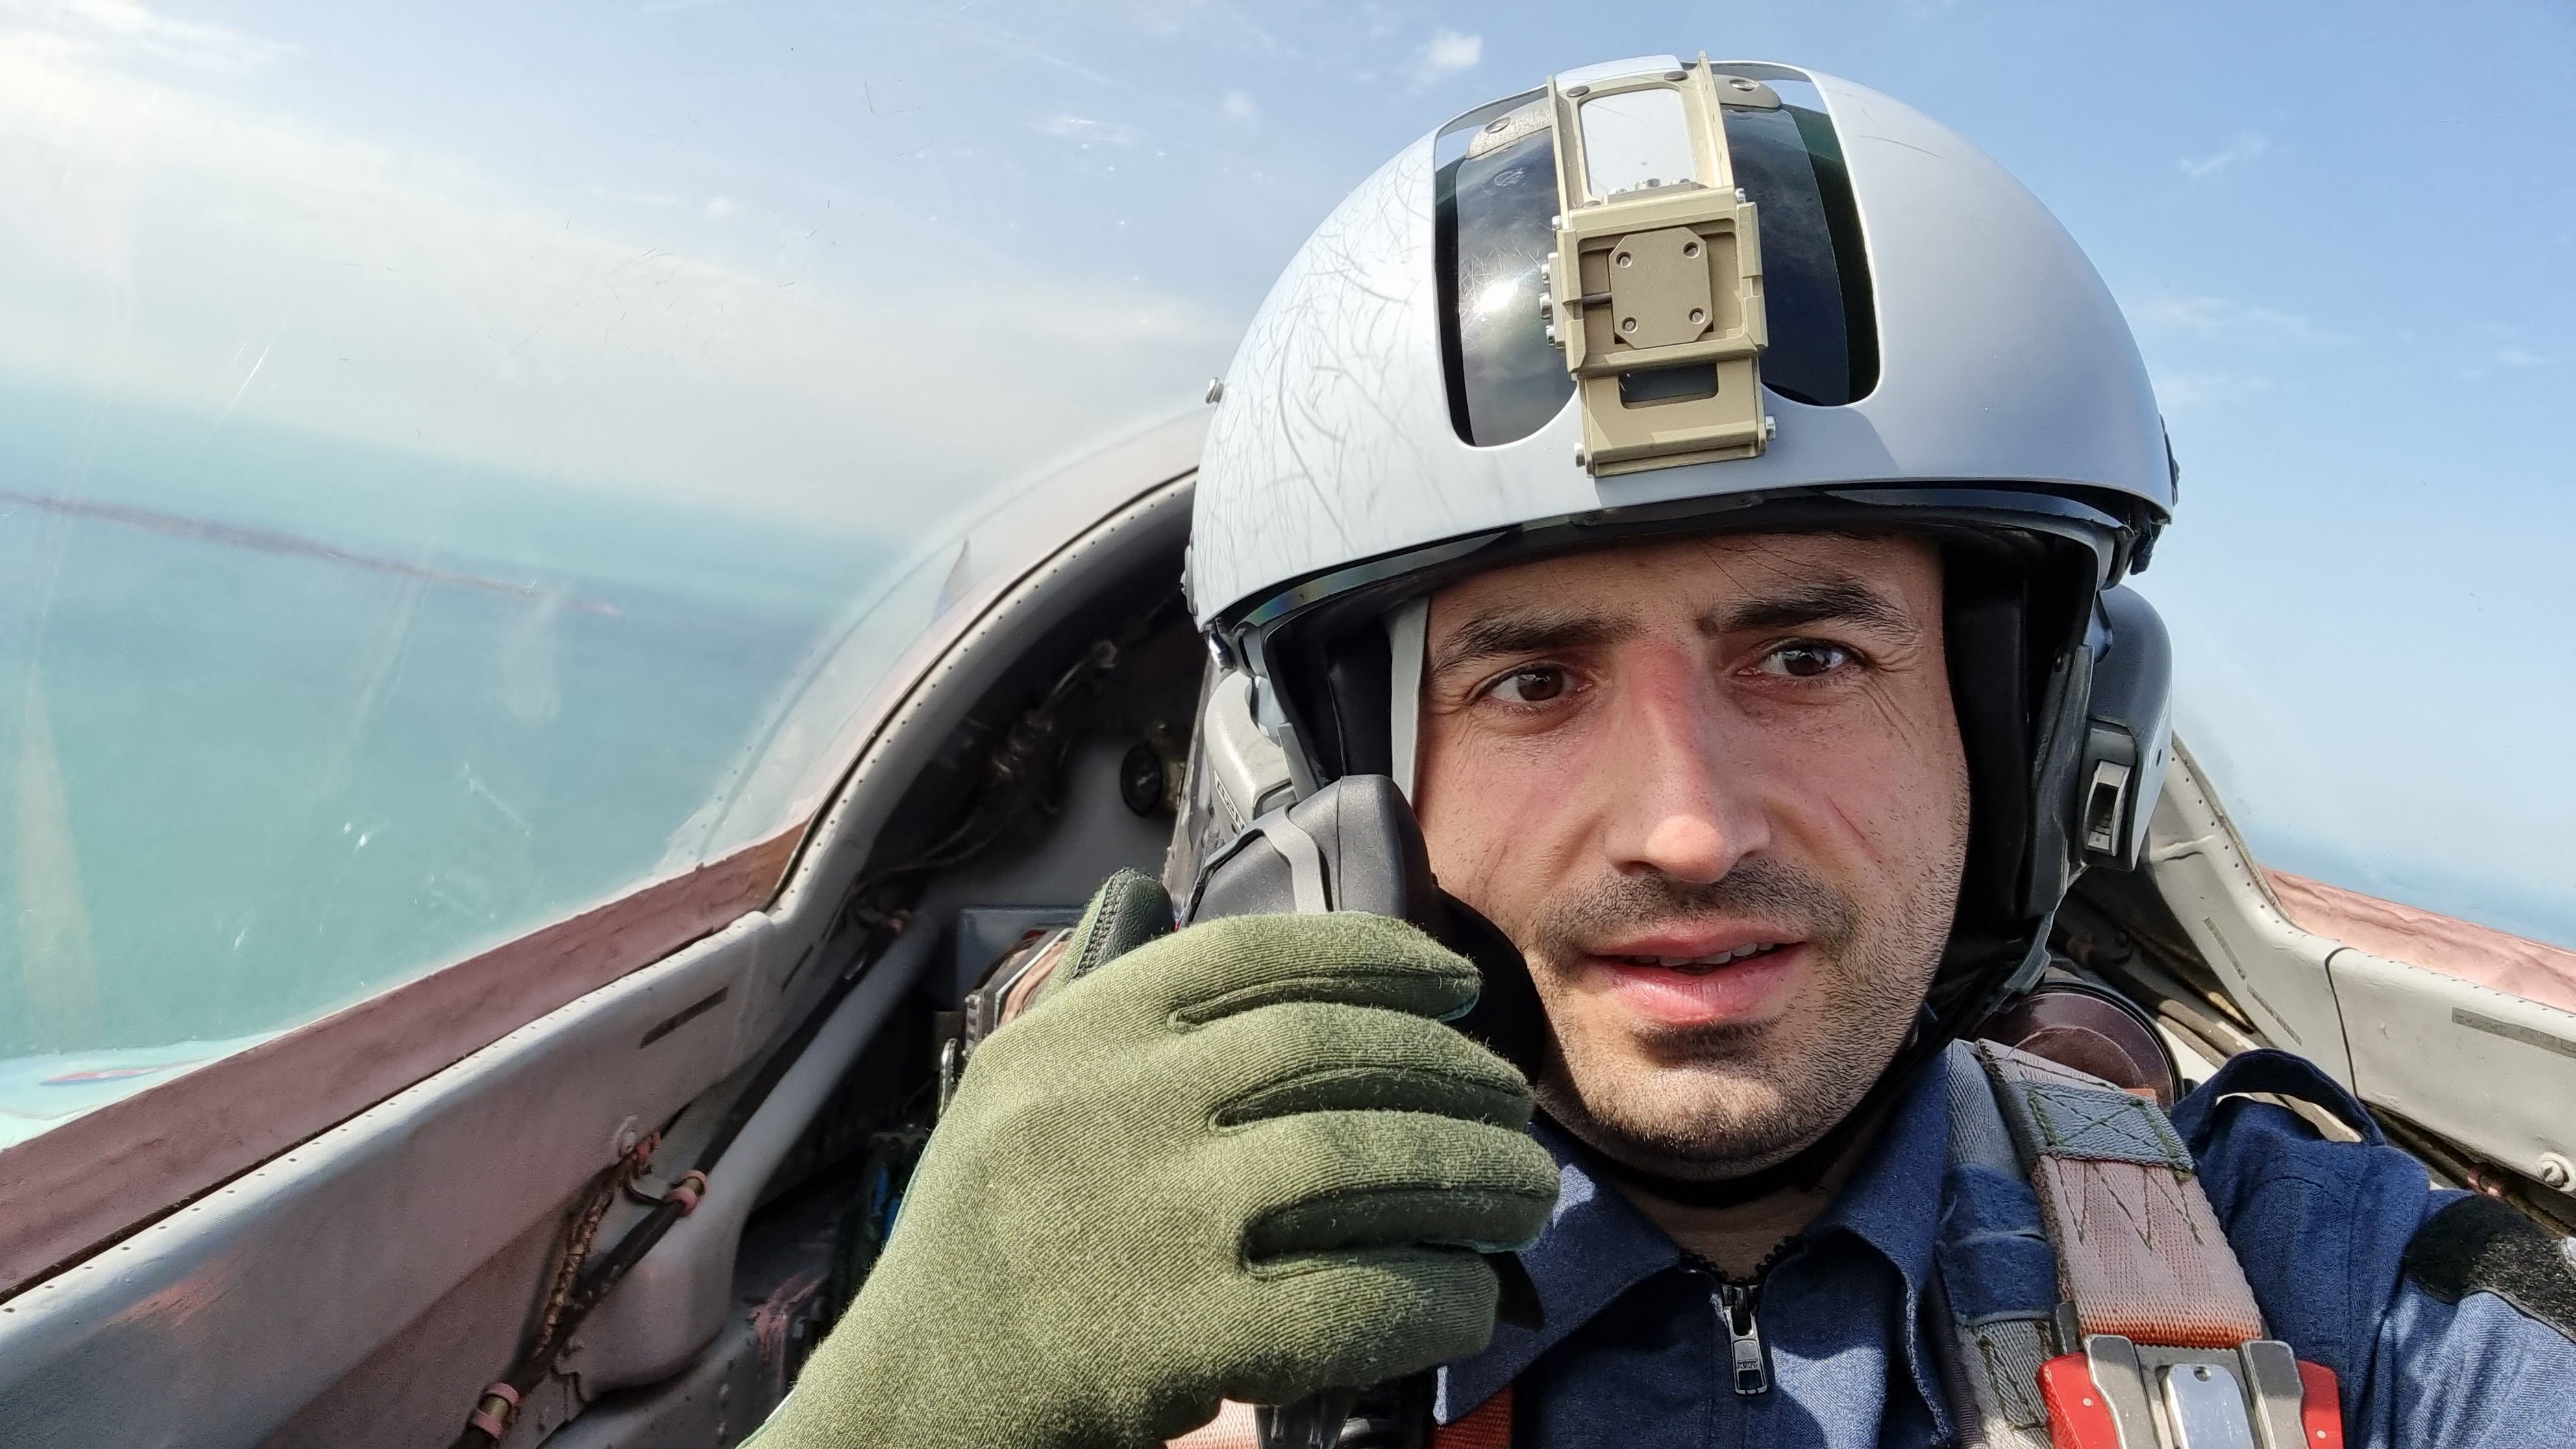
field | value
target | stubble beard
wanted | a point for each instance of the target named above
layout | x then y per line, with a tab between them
1721	1101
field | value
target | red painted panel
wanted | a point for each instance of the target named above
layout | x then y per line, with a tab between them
2532	970
73	1190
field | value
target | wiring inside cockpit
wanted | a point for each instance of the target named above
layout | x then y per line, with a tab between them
1019	777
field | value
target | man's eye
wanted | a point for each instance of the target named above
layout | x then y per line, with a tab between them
1806	659
1529	686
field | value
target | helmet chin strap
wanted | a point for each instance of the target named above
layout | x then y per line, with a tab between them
1404	646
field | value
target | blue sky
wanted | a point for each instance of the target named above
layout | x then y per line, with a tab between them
855	265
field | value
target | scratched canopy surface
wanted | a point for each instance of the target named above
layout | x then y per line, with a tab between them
437	449
441	445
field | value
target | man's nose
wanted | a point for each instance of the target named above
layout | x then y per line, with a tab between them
1685	804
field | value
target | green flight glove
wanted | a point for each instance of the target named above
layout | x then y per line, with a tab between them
1240	1161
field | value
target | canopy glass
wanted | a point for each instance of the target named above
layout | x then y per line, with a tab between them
457	460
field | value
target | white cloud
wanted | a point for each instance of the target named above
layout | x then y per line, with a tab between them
2246	146
125	26
157	242
1012	42
2208	351
1239	107
1085	132
2180	389
719	208
624	196
2511	358
2218	319
1446	54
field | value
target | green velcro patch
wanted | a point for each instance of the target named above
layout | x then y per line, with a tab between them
2479	1245
2099	1124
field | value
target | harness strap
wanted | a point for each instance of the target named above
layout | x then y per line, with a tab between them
1995	1296
1486	1426
2159	1342
2140	1253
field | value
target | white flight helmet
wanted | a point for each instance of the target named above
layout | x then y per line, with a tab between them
1653	296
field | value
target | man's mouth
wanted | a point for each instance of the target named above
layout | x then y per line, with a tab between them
1700	965
1698	977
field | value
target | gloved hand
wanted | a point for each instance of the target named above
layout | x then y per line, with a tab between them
1241	1161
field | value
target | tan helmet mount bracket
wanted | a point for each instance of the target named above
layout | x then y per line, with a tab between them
1655	289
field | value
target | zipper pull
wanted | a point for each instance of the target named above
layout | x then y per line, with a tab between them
1734	1303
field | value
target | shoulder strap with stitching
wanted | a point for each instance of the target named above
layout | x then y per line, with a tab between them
1996	1295
2140	1252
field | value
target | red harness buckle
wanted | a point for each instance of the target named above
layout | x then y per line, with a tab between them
2077	1416
2141	1407
2320	1407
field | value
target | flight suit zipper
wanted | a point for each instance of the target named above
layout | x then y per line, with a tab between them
1735	1303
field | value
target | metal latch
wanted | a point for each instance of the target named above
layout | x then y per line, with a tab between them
1655	288
2106	800
2117	1394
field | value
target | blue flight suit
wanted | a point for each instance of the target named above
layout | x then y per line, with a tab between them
1631	1351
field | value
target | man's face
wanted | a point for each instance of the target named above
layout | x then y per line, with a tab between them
1714	791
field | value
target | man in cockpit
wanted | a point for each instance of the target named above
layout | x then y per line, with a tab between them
1705	491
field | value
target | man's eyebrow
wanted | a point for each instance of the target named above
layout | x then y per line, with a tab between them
1846	601
1494	636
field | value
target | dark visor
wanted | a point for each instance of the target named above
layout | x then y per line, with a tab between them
1497	199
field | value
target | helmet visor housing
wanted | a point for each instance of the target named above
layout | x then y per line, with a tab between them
1494	233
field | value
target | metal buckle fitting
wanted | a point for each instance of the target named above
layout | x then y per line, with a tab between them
2117	1394
1655	288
